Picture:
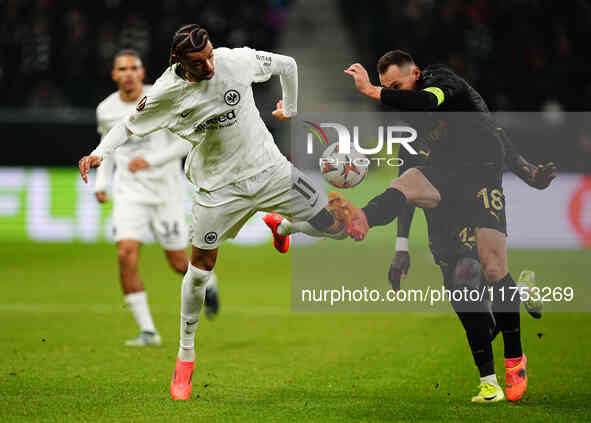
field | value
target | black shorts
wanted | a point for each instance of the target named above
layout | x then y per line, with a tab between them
449	240
470	198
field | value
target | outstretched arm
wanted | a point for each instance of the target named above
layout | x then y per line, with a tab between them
288	76
539	176
153	112
267	64
177	149
105	171
103	178
427	99
114	138
401	260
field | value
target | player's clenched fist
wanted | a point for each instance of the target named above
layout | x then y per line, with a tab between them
279	113
538	177
101	197
398	268
360	76
86	163
362	82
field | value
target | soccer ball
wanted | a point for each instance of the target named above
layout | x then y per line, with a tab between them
343	170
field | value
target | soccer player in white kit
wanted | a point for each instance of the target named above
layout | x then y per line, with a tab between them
148	193
205	96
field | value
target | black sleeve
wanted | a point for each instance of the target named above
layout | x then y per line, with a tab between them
405	220
444	79
407	212
408	99
513	159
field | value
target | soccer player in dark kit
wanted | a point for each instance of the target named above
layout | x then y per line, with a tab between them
464	178
453	246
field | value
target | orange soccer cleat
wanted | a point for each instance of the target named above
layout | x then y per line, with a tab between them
515	378
352	217
281	242
181	383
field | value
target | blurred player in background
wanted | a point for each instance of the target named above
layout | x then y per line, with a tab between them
206	97
148	194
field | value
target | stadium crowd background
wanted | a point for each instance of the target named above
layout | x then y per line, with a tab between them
60	53
521	55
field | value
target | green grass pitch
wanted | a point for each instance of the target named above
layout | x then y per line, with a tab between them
63	325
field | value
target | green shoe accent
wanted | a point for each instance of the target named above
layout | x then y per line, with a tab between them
489	393
533	305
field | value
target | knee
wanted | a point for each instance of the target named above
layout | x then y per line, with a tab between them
468	271
492	269
178	264
430	200
196	276
493	263
127	255
205	261
425	198
404	188
206	265
417	189
466	276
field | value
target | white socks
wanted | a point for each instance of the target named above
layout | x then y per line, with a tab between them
138	304
213	281
490	379
287	228
192	297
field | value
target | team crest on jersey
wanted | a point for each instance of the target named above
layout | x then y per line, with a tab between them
210	237
142	104
232	97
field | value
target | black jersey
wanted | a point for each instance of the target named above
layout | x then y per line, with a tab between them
462	130
459	128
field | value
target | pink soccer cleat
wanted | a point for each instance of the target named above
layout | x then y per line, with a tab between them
281	242
515	378
181	383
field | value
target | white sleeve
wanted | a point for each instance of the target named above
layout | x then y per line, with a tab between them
177	149
102	125
104	173
114	138
266	64
152	113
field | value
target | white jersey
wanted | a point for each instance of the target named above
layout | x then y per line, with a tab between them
162	180
219	116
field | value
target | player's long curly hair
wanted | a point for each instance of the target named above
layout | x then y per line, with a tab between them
188	38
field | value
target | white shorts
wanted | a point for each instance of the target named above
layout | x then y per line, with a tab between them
219	215
166	222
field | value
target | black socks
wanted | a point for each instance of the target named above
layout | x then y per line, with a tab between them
384	208
478	326
505	306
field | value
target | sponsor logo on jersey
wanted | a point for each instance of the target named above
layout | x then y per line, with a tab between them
265	59
186	113
141	104
222	120
232	97
210	237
